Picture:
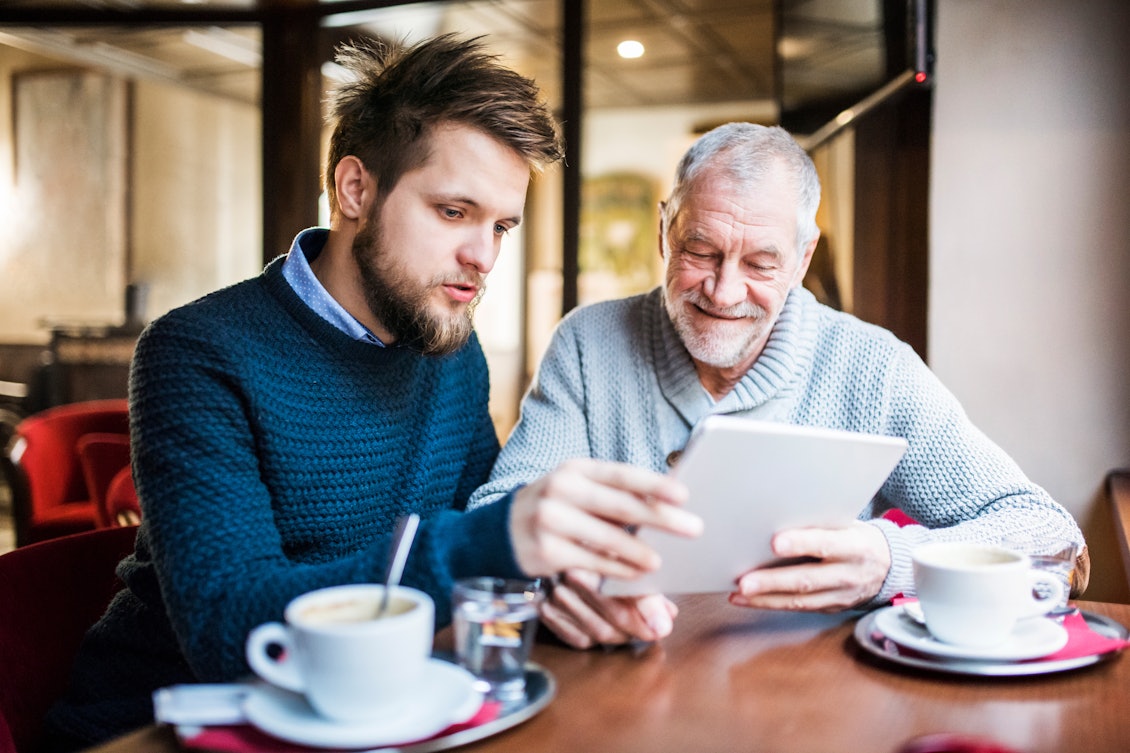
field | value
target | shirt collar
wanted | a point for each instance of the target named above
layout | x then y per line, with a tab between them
296	269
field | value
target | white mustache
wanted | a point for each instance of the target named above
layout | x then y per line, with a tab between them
743	310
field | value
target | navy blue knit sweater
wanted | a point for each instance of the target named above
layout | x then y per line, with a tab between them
273	455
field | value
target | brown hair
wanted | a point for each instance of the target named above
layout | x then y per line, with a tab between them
395	96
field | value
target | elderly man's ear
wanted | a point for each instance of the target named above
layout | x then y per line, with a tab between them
805	261
659	235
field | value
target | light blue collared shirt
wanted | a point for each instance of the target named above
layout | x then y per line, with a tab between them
296	269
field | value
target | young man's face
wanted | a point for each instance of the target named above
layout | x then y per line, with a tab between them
426	250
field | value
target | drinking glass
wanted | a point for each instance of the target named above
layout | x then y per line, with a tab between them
1053	555
495	620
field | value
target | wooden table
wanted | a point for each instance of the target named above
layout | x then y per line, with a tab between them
733	679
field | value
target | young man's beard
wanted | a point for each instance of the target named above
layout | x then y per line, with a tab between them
401	303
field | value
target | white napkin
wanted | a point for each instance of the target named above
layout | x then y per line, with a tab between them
201	704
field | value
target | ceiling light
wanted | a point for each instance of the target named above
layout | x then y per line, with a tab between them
630	48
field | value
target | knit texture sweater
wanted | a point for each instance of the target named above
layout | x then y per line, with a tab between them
616	383
273	455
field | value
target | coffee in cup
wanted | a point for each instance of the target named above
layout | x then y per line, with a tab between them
972	595
350	662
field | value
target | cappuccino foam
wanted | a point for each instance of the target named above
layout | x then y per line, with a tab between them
344	611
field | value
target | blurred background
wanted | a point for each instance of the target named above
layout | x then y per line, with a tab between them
183	142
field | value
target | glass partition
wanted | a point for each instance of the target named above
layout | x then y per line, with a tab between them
652	76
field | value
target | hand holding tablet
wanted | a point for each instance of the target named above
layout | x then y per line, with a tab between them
749	479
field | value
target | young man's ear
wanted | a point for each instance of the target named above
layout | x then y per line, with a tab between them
355	187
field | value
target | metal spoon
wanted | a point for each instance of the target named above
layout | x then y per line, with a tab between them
401	543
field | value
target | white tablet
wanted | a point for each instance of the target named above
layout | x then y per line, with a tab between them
749	479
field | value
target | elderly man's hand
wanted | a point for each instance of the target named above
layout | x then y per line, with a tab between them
839	569
579	516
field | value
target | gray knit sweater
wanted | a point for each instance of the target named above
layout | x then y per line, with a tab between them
617	384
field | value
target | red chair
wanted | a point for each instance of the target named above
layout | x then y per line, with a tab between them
122	505
102	455
50	594
49	492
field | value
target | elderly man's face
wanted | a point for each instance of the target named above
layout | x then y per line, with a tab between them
731	259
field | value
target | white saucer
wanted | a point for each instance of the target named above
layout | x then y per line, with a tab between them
445	696
1031	639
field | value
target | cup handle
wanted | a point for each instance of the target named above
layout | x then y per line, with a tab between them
282	671
1044	583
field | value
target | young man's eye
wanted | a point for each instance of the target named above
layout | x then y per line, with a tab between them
501	229
452	213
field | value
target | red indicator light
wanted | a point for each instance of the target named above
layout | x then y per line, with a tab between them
920	77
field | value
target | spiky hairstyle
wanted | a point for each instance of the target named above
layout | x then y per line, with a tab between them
394	96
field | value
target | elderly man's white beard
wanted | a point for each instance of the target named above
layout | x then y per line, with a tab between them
715	347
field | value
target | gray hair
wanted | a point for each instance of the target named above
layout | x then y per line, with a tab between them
745	153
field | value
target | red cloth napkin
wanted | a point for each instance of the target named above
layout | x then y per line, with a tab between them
243	738
1082	640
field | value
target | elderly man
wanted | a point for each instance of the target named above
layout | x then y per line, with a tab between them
733	331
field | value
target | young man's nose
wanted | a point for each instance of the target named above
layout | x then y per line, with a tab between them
480	250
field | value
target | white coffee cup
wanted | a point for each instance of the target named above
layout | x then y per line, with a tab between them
349	664
972	595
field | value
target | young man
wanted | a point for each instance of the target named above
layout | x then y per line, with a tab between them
733	331
281	426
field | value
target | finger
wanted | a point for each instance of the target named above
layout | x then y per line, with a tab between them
568	519
589	618
793	579
826	601
624	494
592	543
818	586
659	614
560	553
637	481
551	535
562	625
820	543
583	581
829	599
623	613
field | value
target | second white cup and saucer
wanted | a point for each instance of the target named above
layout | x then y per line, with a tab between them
1032	638
977	602
349	679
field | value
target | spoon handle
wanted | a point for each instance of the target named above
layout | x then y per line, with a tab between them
401	544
